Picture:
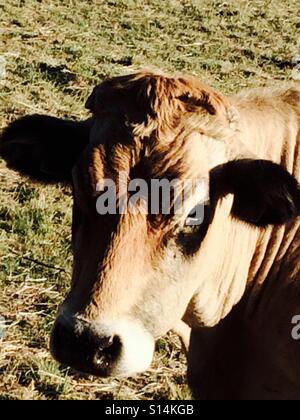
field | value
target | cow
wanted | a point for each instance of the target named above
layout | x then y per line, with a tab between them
233	278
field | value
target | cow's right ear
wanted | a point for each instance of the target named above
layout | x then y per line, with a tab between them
44	148
264	192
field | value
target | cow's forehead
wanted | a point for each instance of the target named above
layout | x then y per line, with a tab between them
183	159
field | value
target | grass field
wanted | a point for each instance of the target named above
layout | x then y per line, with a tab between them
55	52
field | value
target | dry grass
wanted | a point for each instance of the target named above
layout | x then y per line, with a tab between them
56	51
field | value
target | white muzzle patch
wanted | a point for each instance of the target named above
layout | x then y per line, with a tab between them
137	345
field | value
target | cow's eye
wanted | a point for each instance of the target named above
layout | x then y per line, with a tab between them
195	216
196	225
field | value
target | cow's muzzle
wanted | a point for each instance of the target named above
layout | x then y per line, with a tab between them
101	348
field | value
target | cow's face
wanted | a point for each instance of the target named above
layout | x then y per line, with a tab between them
134	272
138	263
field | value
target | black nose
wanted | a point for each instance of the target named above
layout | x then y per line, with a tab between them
79	345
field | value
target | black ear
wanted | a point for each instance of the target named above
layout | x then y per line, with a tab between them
44	148
264	192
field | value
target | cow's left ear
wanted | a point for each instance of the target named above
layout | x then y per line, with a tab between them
264	192
44	148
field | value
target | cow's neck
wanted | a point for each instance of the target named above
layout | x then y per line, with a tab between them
273	135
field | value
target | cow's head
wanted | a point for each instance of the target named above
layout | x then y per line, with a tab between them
136	274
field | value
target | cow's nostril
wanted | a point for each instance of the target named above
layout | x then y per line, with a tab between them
108	351
106	342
